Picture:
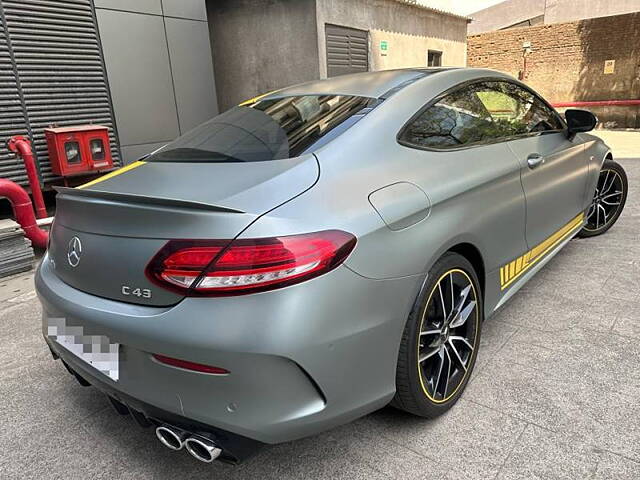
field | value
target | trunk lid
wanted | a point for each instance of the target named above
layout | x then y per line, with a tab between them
118	223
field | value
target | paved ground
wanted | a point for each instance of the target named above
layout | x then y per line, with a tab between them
556	393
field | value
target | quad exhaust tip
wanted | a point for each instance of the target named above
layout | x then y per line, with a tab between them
199	447
202	449
171	437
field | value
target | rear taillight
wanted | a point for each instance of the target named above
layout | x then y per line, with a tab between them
218	267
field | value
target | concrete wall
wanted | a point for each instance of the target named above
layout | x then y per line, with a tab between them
511	12
159	67
409	31
567	61
261	45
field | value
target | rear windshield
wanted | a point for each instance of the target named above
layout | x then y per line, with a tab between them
268	130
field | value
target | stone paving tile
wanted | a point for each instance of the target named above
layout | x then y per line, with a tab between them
628	321
541	454
582	384
495	335
612	466
469	438
43	452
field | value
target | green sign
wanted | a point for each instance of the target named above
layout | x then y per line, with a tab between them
384	46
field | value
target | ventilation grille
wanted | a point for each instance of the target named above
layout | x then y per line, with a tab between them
58	59
347	50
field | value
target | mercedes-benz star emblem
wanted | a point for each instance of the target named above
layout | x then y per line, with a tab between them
74	252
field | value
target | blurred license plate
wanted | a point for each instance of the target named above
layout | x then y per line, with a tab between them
95	350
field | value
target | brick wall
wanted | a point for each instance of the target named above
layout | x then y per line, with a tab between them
567	61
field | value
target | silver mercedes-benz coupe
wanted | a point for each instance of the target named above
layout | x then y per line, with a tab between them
317	253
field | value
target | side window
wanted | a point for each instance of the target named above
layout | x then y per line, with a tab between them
521	109
483	112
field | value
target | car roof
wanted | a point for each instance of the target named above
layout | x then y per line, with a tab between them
379	84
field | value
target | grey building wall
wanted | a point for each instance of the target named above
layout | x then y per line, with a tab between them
158	59
510	12
259	46
408	30
262	45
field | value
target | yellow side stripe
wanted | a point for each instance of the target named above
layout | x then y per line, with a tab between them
115	173
256	98
510	272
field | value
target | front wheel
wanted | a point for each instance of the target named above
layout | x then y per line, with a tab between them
608	200
440	340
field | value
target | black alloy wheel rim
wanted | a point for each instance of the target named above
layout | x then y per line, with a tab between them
447	335
606	201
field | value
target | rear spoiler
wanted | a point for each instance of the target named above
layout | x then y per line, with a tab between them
143	199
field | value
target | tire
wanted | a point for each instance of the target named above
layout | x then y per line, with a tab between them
420	388
612	188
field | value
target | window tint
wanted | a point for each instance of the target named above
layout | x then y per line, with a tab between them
267	130
482	112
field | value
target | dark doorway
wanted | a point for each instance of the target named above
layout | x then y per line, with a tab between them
434	58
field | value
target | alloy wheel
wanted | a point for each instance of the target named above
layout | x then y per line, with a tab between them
448	332
606	200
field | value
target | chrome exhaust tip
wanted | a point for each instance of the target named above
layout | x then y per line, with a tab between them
202	449
171	437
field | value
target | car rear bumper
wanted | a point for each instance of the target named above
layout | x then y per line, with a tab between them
301	359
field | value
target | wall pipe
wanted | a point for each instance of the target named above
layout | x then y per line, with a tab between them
23	210
22	147
597	103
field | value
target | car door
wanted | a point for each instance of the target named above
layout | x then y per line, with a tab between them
553	168
459	156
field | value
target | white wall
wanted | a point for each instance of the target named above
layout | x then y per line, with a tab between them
159	67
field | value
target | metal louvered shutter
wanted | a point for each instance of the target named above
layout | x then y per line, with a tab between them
58	59
347	50
12	117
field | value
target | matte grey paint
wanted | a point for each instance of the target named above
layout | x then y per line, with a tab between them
357	84
559	181
109	225
226	184
401	205
342	329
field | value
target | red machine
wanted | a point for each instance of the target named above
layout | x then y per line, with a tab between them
79	150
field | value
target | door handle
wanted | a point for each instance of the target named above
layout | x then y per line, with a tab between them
535	160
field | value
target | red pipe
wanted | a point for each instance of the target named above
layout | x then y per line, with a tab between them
24	212
21	146
598	103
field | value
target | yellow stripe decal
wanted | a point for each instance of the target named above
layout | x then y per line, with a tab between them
115	173
517	267
255	99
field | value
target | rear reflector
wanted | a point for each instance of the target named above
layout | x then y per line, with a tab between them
196	367
215	267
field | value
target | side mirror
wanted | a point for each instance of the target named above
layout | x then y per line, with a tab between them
580	121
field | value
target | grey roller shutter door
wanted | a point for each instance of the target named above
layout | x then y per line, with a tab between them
12	118
347	50
58	59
